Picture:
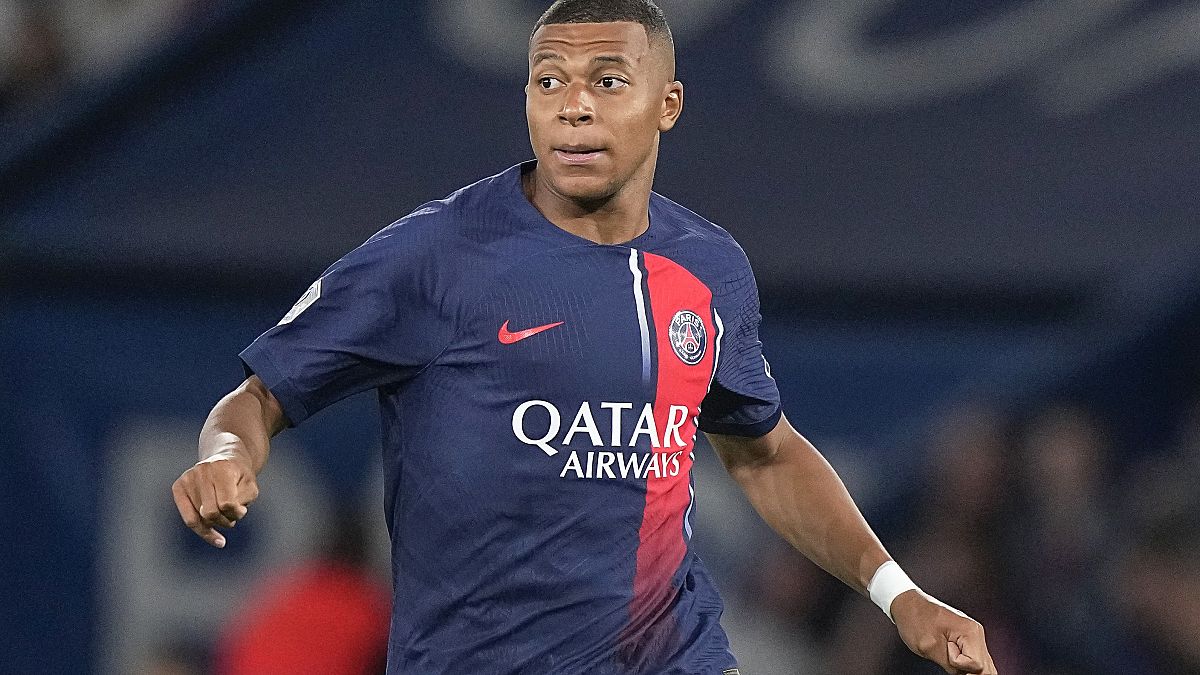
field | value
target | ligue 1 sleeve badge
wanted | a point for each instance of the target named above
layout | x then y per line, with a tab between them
688	337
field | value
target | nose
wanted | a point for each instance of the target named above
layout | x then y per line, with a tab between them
577	106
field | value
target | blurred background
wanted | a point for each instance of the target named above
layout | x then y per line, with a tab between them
976	229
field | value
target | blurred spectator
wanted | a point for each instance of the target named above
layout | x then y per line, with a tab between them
1061	539
1159	584
1158	579
329	616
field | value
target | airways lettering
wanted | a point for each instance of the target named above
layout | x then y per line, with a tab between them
613	465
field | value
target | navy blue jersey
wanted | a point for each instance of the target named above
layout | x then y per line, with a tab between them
540	397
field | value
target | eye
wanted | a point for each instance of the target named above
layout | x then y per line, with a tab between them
611	82
549	82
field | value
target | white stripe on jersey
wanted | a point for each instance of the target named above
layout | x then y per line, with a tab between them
716	346
641	309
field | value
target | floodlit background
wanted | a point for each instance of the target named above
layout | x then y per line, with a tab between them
976	227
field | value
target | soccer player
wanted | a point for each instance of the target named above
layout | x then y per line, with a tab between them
545	345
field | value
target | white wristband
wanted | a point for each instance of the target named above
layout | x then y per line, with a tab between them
888	582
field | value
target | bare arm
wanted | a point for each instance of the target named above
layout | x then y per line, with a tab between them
802	498
234	445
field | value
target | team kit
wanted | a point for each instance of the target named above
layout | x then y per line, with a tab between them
544	392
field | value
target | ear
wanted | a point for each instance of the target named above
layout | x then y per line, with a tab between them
672	106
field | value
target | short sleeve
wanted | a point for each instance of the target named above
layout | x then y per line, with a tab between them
374	318
743	399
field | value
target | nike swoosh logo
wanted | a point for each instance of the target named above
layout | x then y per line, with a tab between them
508	338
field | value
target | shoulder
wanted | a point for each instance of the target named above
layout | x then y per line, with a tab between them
436	229
438	219
694	236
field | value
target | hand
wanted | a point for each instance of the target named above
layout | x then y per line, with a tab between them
941	634
215	493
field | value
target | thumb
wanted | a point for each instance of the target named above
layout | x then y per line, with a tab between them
961	661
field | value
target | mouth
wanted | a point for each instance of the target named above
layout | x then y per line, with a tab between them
576	155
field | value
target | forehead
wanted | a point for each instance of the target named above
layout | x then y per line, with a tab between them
569	40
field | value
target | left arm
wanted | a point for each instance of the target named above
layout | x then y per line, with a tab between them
802	498
788	483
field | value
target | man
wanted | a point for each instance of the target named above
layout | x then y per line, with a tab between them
546	344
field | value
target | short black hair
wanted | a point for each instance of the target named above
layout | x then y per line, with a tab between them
644	12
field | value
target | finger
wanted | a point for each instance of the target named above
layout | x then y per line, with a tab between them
942	661
210	509
191	517
961	661
974	646
228	504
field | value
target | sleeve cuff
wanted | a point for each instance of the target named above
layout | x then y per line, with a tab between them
750	430
258	362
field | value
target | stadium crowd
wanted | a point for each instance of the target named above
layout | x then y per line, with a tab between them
1076	563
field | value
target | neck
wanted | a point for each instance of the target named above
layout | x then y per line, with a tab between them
616	219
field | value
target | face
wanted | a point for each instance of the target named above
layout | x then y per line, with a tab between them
598	96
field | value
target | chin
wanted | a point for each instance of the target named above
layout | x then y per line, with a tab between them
585	188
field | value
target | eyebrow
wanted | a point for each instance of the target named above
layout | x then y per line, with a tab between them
615	58
547	56
603	58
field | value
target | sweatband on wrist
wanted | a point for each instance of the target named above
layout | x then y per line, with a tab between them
888	582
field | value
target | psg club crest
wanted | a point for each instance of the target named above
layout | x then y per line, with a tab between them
688	337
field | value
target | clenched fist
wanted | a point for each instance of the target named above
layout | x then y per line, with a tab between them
941	634
215	493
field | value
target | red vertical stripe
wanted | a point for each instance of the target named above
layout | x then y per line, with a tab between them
661	538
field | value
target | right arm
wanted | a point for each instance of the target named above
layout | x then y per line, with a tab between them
234	445
375	318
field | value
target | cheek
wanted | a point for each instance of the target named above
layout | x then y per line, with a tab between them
537	114
638	126
535	127
651	118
